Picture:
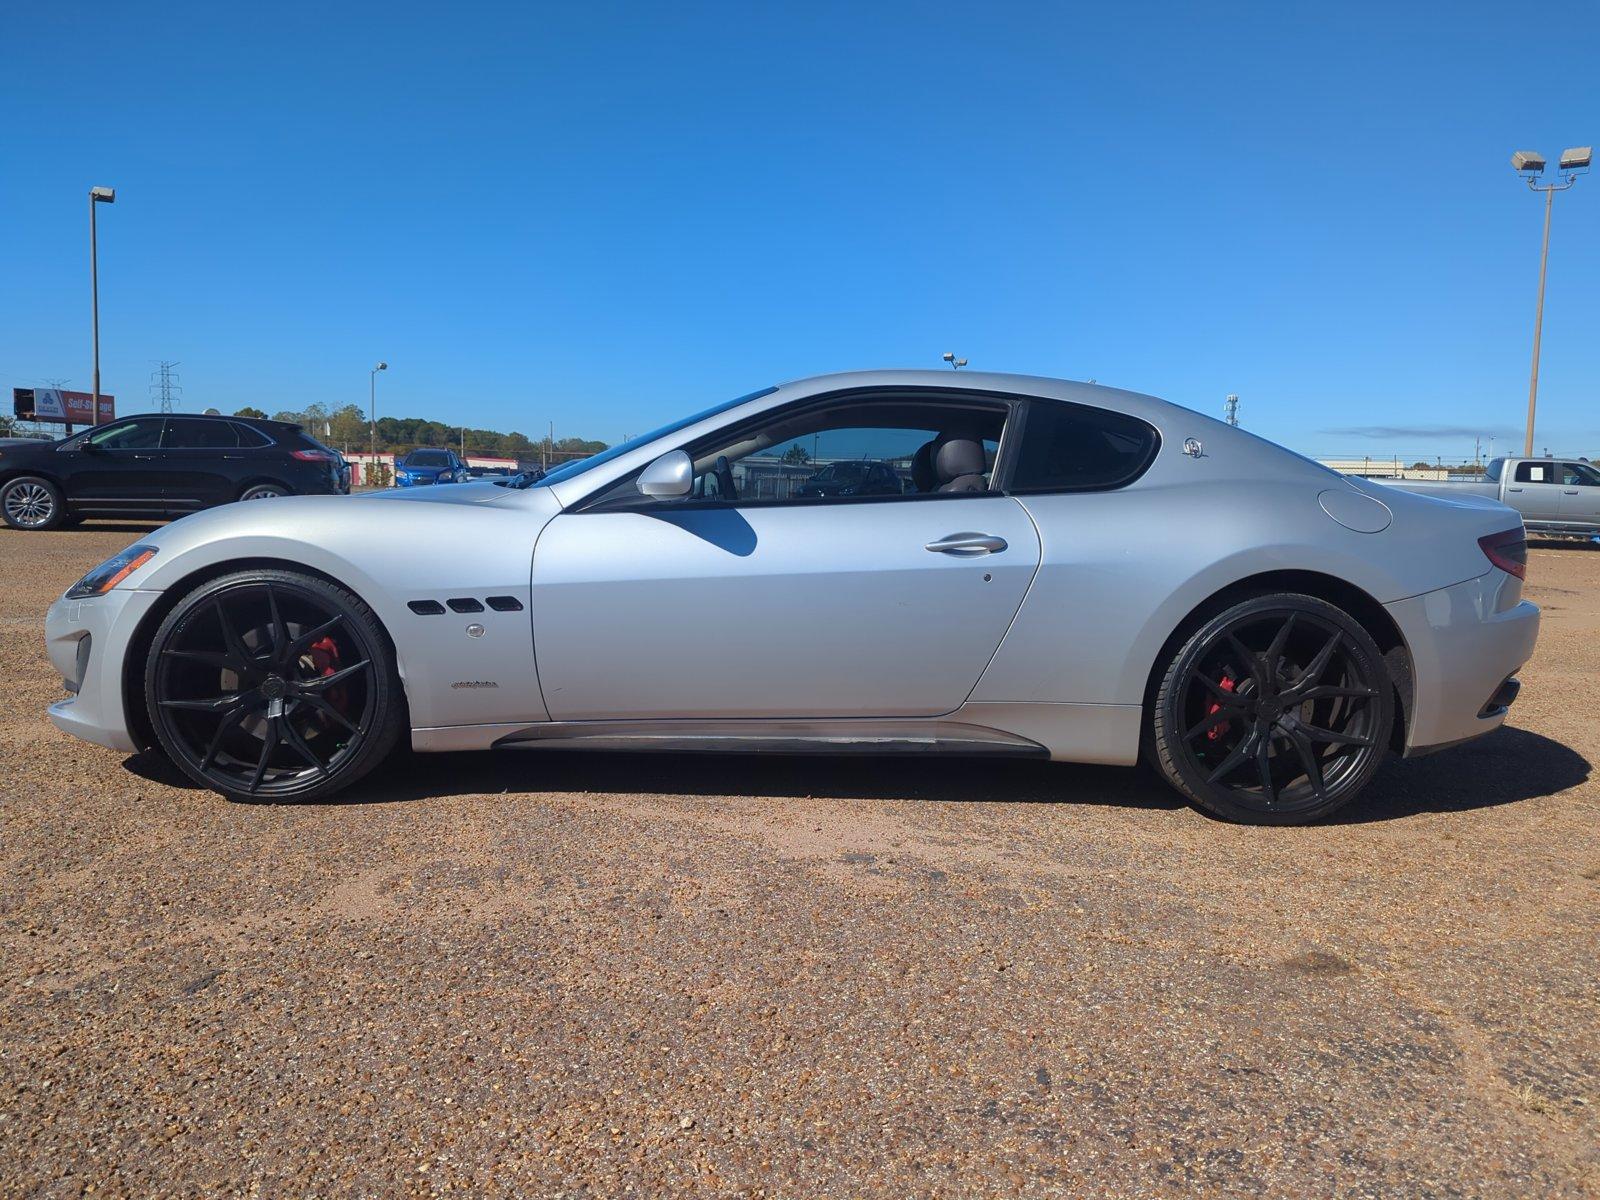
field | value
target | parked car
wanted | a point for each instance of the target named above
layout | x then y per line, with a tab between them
1126	574
853	478
159	465
1559	496
423	467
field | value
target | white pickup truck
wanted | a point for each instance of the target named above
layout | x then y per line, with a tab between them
1556	496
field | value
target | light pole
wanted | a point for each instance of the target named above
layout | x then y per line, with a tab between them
1574	162
955	363
97	195
372	415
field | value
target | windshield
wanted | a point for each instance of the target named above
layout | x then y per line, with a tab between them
427	458
573	469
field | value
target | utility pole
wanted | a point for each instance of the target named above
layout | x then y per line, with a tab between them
1230	409
372	416
97	195
1573	162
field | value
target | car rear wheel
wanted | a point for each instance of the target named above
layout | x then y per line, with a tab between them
29	502
263	491
271	685
1274	712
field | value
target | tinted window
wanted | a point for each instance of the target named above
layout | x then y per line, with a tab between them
1535	472
129	435
251	437
187	433
428	458
1579	475
1496	465
1073	448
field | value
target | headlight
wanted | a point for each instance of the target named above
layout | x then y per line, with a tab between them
111	572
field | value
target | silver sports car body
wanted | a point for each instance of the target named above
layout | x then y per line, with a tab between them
981	564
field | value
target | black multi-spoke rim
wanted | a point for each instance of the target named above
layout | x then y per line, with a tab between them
264	688
1279	710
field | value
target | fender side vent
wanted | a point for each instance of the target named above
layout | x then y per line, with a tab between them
505	603
425	608
465	604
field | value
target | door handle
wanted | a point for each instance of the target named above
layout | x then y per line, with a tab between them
968	544
1513	489
1569	491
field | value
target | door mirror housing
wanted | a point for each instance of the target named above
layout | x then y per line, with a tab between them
668	478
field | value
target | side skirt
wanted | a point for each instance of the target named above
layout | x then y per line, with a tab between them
1091	733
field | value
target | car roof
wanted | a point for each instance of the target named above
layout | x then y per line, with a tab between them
256	422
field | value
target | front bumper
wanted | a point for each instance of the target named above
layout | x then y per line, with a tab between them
88	641
1466	643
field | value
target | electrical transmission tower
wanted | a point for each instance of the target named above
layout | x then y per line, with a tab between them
1230	409
163	383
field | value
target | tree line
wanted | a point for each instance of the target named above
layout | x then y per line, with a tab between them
345	429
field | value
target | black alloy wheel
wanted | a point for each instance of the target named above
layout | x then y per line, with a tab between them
271	685
1277	711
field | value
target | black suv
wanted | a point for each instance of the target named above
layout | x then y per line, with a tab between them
162	466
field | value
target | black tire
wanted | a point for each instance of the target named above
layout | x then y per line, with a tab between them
31	503
263	491
1276	711
271	685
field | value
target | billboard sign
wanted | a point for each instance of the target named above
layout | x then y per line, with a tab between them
61	407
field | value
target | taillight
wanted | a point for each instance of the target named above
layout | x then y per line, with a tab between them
1507	550
314	455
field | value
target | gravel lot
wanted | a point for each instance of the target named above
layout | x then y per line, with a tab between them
534	976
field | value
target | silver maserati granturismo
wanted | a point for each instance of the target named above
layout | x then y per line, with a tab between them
884	562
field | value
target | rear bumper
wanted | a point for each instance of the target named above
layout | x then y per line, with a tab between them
1467	642
87	641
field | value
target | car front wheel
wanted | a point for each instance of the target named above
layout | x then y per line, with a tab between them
29	502
270	685
1276	711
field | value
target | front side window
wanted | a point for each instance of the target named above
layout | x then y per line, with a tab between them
1579	475
1074	448
841	450
142	434
865	449
186	433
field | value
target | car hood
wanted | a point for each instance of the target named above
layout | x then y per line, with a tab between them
461	493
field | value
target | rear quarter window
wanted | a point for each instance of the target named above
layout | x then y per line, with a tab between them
1075	448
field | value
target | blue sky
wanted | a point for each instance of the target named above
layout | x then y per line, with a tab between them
606	215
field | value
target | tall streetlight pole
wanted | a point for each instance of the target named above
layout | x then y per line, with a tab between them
1573	163
372	414
98	195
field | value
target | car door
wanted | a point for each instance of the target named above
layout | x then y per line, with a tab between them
1580	494
782	607
115	468
1535	491
201	458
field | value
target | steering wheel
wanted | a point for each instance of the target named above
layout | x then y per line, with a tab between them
724	474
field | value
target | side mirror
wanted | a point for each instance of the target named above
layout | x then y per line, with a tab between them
669	477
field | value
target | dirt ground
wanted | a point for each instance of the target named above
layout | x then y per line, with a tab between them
570	976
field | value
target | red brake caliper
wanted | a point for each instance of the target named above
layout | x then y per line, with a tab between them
1212	734
325	661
